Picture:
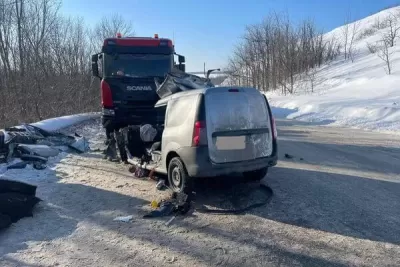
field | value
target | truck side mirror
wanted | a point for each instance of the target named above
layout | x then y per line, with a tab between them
182	67
181	59
95	66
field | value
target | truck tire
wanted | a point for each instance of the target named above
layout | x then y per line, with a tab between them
256	175
178	177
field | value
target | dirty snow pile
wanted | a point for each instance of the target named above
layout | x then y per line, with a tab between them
357	94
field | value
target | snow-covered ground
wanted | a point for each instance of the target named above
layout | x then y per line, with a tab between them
82	195
356	94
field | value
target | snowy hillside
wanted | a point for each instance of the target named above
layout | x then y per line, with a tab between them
353	94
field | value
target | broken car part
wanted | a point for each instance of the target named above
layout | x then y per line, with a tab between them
178	204
266	189
180	81
17	200
26	139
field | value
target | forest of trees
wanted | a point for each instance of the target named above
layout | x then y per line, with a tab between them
274	53
45	60
45	56
280	55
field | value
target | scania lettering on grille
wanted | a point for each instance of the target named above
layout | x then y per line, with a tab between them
138	88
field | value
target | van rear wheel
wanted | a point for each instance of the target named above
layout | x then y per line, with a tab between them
178	177
256	175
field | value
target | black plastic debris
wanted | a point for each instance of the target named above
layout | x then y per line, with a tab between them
141	172
17	205
268	196
166	208
161	185
39	165
182	202
16	186
17	200
178	204
38	162
17	165
288	156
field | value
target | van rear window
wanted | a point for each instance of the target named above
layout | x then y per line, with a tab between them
234	111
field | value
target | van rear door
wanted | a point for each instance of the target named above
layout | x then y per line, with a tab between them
238	125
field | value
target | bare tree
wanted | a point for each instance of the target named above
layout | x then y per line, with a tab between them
345	30
332	49
378	24
108	27
392	22
386	55
372	48
312	78
44	70
352	51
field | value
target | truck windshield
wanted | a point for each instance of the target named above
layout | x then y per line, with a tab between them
137	65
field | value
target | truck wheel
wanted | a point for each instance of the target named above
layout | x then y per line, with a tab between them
178	177
256	175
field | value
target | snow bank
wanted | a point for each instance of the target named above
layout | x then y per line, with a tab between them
59	123
356	94
371	104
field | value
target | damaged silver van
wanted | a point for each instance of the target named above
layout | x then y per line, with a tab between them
214	131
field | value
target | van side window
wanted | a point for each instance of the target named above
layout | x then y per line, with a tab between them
161	114
179	110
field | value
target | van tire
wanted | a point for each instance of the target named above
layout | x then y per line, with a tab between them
178	177
256	175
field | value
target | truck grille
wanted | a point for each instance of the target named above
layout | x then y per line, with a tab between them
139	113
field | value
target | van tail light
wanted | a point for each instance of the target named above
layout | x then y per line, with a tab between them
106	96
274	130
198	133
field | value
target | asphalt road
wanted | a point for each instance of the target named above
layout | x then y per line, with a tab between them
336	202
343	183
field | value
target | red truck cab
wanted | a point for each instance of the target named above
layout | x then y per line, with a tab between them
128	68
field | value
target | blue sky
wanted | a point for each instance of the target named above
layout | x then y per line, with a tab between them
207	31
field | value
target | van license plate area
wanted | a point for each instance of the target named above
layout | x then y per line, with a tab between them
231	142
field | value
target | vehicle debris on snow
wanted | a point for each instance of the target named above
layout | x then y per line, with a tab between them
34	145
178	204
23	145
